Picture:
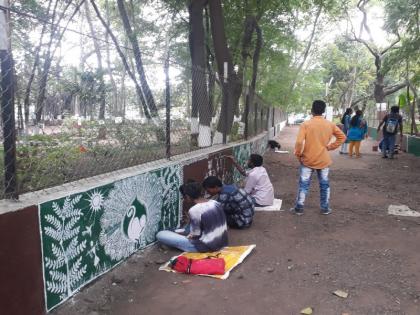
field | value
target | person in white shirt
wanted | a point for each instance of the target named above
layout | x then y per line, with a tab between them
257	182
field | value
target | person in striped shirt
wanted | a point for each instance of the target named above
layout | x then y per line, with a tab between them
207	230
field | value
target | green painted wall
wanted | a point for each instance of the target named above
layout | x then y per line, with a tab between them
414	145
86	234
373	133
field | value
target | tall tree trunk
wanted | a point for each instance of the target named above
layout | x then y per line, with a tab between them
223	57
115	102
305	54
194	128
49	58
210	70
352	88
99	60
249	26
200	98
124	61
416	98
138	59
7	106
378	91
26	101
255	61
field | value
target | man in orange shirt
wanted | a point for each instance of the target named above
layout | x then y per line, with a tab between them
312	145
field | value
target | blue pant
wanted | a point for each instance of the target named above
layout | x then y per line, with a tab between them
305	183
388	144
176	240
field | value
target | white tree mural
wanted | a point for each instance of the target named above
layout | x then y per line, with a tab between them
65	264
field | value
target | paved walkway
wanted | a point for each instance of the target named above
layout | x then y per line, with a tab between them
298	261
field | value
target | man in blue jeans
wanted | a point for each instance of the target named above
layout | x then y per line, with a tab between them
311	149
392	122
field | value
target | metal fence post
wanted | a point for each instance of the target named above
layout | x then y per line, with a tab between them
246	113
225	101
8	120
167	109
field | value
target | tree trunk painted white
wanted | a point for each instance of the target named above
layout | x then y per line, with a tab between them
204	136
218	138
194	125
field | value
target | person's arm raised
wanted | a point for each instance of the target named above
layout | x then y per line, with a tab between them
236	164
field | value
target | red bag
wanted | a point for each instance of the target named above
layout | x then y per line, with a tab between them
206	266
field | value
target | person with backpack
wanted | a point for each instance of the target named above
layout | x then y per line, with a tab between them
345	121
392	122
356	133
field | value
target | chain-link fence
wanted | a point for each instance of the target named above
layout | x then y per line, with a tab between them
80	98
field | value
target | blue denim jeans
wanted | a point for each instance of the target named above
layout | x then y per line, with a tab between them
388	145
176	240
305	183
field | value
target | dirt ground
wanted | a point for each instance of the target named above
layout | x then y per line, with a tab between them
298	261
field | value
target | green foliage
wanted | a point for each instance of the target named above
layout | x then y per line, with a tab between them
345	61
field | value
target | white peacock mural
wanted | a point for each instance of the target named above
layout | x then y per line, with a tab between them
86	234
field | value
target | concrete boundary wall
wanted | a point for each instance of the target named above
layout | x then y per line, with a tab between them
56	241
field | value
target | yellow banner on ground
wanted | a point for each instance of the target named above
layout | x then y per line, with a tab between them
233	256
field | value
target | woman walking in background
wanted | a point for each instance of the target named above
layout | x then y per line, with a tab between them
345	120
356	133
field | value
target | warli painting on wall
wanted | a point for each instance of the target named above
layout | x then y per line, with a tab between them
86	234
241	154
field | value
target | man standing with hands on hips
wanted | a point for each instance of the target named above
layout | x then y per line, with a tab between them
311	149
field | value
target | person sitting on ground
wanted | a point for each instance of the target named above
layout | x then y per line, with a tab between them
356	133
257	182
207	230
392	122
237	204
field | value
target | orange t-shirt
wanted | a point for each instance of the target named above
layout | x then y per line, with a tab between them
313	142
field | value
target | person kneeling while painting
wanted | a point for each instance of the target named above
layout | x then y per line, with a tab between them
236	202
257	182
207	230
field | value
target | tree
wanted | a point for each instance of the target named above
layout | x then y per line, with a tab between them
225	69
7	107
403	18
380	90
56	33
123	58
351	69
200	99
148	96
99	60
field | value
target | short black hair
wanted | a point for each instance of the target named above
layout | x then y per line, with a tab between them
256	159
212	182
318	107
395	109
192	190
